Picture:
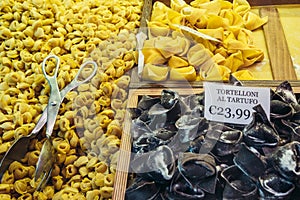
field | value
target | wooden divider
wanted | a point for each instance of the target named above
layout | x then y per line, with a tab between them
279	55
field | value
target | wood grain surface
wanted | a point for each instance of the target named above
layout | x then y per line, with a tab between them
279	55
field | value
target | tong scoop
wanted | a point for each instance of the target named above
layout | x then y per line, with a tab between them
46	159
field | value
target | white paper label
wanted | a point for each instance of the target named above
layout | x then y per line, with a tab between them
234	104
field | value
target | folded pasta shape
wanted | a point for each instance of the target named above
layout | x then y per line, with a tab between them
21	186
192	15
198	55
234	61
183	73
215	72
241	6
155	73
176	61
167	46
7	178
157	28
234	19
82	160
251	56
153	56
5	190
73	30
217	33
230	23
165	14
253	21
101	167
243	75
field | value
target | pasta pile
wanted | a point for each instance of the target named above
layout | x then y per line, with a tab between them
88	129
196	58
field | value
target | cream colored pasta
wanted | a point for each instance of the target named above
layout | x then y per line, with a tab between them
5	188
18	170
7	178
33	157
106	192
98	131
82	160
91	124
57	181
70	159
83	99
63	147
5	196
26	196
30	31
20	186
60	158
69	171
86	185
72	138
49	192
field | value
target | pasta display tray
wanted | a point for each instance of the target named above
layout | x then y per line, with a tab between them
160	161
176	60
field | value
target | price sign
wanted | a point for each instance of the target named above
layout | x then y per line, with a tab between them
234	104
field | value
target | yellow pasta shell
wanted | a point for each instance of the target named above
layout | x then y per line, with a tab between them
233	18
176	62
243	75
215	72
252	55
211	7
167	46
192	14
183	73
159	11
155	73
218	58
178	5
215	21
153	56
217	33
198	55
234	61
253	21
223	71
241	6
157	28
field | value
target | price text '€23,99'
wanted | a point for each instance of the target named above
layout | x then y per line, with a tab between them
233	104
227	112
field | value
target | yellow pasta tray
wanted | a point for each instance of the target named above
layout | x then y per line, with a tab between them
277	39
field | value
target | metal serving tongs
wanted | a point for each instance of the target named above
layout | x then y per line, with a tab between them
46	159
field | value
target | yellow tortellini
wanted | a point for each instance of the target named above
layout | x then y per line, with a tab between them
229	23
76	31
155	73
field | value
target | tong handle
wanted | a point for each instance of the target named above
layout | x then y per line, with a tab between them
76	82
54	98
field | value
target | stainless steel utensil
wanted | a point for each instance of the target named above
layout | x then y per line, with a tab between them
46	159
